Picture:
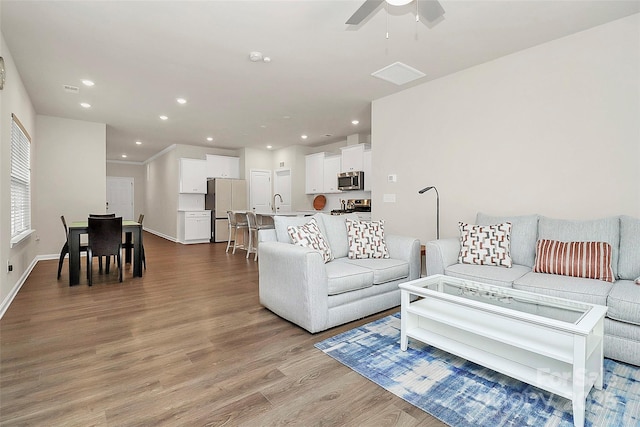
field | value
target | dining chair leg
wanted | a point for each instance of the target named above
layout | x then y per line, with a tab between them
89	266
63	253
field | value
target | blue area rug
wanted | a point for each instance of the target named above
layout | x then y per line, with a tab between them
461	393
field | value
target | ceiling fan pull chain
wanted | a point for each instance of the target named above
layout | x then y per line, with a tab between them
417	13
386	9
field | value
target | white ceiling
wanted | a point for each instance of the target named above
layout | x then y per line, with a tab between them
143	55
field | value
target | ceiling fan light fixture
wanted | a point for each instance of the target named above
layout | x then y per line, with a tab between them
398	2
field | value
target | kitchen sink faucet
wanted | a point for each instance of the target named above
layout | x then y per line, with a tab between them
274	201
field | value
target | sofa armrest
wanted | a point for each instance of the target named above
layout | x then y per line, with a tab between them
406	249
440	254
293	284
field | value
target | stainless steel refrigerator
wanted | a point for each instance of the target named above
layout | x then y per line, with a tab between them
224	194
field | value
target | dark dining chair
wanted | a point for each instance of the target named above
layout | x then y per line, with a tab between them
128	244
105	239
109	215
65	248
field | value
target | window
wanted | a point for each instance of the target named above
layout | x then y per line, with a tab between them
20	181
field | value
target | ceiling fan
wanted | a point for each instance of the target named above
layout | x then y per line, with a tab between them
430	10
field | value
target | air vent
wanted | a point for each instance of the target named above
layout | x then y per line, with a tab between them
398	73
71	89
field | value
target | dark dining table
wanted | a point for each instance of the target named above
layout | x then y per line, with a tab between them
133	232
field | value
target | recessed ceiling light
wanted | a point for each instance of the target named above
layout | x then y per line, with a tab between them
138	142
164	117
355	122
304	136
181	101
85	105
209	138
124	156
263	126
88	83
286	117
269	147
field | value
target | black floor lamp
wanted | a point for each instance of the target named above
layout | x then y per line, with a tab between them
424	190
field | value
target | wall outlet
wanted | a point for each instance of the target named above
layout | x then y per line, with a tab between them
389	198
392	178
9	266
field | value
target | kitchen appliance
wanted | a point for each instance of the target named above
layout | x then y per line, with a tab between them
353	205
224	194
351	181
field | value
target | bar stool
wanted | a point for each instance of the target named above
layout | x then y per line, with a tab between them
255	224
237	223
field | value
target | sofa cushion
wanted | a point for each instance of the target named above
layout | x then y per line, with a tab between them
576	288
485	244
624	302
281	223
598	230
591	260
309	236
629	262
524	233
384	270
336	232
366	239
488	274
345	277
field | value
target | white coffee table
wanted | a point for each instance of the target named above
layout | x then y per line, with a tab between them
551	343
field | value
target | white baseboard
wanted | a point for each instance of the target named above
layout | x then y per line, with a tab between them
164	236
12	294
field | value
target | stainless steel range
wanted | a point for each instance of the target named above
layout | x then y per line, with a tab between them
353	205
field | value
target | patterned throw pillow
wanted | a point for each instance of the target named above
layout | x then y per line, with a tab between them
485	244
591	260
310	236
366	239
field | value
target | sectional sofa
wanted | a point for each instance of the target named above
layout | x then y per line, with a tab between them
298	284
527	236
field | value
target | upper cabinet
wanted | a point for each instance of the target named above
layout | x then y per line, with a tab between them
331	171
222	166
353	158
193	176
314	173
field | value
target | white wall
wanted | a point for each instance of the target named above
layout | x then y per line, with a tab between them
71	176
553	130
13	100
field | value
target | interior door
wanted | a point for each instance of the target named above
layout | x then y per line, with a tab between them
260	190
120	196
282	186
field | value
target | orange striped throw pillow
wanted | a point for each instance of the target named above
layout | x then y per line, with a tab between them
591	260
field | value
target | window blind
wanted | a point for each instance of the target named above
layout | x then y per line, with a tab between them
20	178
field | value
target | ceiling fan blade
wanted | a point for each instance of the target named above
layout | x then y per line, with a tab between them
365	10
431	10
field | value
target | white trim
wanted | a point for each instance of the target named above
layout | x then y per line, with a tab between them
12	294
164	236
124	162
161	153
15	240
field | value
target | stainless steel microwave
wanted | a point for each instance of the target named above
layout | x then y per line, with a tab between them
351	181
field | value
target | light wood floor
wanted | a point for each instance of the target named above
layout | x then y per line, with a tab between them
187	344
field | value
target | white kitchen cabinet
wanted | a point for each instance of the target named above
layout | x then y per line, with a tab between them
353	158
367	170
330	173
193	176
223	166
314	173
195	226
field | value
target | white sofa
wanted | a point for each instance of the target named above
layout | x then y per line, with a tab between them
622	297
296	284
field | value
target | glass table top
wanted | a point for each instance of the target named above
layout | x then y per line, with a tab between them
541	305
